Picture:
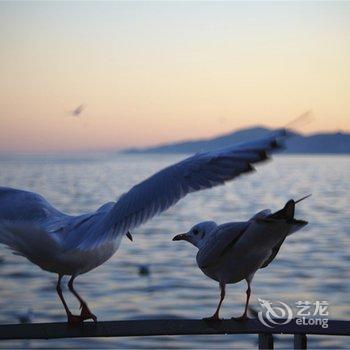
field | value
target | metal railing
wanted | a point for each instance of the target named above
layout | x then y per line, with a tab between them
173	327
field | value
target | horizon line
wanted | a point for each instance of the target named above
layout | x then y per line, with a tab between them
117	149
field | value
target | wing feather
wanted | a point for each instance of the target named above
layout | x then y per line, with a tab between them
224	237
25	205
165	188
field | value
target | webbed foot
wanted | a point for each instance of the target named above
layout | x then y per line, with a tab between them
86	314
74	320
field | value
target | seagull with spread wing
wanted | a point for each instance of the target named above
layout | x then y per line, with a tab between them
235	251
73	245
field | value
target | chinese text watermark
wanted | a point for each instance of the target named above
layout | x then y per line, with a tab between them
306	313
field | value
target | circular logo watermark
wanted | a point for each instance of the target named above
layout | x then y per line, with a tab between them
274	313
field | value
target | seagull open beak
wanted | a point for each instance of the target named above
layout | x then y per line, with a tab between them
181	237
128	234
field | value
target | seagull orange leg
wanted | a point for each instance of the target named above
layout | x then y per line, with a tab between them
244	315
71	319
85	314
215	317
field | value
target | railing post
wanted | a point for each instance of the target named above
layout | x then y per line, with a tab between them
300	341
265	341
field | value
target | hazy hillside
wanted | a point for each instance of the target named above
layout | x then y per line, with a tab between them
337	143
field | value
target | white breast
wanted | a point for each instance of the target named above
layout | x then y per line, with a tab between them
77	261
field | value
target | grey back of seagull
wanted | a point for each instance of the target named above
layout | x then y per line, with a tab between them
219	241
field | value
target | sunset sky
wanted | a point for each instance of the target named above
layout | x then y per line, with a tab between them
154	72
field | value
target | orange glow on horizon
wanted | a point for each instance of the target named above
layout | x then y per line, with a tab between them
151	73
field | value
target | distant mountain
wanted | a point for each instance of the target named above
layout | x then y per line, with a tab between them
334	143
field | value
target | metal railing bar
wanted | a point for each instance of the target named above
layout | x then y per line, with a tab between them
163	327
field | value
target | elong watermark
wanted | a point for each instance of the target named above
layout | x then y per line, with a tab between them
307	313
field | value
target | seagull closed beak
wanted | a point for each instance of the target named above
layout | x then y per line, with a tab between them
181	237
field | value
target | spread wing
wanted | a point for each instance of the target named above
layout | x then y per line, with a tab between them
168	186
18	205
219	242
29	223
24	221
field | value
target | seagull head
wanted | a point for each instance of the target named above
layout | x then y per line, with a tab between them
197	234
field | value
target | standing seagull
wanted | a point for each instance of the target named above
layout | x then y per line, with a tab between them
234	251
73	245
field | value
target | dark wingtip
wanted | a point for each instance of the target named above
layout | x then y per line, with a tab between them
263	155
301	199
129	235
250	168
286	213
274	144
277	144
299	222
289	209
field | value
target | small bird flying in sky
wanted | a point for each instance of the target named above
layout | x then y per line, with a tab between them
77	111
73	245
235	251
